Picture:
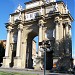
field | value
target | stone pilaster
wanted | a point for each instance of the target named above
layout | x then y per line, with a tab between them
41	38
41	24
7	58
24	48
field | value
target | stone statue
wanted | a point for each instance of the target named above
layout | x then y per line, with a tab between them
19	8
56	7
66	9
9	20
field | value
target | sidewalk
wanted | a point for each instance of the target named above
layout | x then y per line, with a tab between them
38	72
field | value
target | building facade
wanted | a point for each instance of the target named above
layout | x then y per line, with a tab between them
49	20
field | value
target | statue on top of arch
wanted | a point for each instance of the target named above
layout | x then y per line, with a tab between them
19	8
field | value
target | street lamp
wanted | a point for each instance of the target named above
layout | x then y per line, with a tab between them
46	45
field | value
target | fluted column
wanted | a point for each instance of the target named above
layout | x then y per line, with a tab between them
57	28
7	58
18	58
20	27
61	30
67	38
61	47
57	32
57	35
8	41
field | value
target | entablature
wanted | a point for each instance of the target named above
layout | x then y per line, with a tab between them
51	9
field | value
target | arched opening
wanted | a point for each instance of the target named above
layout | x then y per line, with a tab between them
35	50
31	49
36	39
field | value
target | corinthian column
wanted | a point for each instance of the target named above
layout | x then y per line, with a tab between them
8	41
57	32
57	35
20	27
67	38
7	58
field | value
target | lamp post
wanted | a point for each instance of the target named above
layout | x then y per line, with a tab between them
45	44
45	61
44	50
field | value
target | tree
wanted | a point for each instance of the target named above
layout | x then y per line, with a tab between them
2	52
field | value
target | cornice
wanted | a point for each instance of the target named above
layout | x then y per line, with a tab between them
31	1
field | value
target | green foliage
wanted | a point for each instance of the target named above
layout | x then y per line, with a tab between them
2	52
12	73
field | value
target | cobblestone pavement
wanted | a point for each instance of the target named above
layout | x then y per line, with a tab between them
38	72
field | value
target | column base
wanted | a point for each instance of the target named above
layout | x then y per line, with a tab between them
18	63
6	62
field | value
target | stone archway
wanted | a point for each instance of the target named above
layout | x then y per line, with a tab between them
29	61
28	23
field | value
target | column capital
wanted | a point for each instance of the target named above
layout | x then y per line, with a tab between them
20	26
41	22
9	26
67	23
57	20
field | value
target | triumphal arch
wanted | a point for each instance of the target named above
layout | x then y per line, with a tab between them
49	20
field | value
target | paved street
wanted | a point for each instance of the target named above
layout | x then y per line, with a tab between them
30	71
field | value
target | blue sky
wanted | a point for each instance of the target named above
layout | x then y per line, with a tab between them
8	6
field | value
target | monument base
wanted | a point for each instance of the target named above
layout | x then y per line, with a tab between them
6	62
18	63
